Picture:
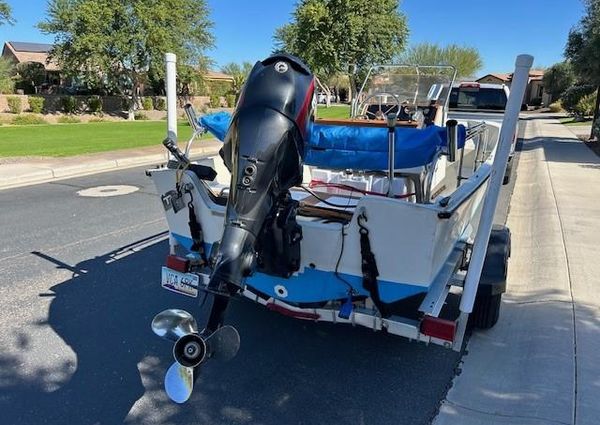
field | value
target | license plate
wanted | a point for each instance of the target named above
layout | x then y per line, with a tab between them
182	283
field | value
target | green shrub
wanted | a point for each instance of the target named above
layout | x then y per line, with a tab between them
66	119
15	105
572	96
68	104
27	119
97	120
147	103
219	88
230	100
585	106
556	106
95	104
140	116
597	130
215	101
36	104
160	104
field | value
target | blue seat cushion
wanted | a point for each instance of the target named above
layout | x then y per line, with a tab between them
358	148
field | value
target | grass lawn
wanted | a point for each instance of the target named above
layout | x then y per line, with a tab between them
335	111
75	139
571	121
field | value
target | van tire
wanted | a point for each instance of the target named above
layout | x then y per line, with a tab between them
508	172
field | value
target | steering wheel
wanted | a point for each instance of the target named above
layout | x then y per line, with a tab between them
382	110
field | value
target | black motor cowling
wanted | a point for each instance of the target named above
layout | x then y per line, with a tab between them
263	150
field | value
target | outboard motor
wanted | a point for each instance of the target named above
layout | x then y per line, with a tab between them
264	150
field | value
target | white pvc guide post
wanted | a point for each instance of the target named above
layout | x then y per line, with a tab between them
171	89
509	125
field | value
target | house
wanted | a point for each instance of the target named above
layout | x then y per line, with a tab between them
495	79
22	52
218	76
534	94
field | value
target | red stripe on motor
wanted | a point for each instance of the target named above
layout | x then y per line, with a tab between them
302	115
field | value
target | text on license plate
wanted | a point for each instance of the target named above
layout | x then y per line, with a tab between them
182	283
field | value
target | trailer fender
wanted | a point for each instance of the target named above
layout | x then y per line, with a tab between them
495	266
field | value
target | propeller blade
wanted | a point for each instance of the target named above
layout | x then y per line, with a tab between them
224	343
179	382
172	324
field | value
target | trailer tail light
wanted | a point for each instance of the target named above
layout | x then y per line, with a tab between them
292	313
178	264
438	328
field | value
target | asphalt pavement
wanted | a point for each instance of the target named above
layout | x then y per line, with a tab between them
79	285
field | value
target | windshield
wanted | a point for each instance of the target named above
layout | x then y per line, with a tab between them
407	85
493	99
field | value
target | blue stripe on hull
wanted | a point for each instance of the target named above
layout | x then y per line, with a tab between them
313	285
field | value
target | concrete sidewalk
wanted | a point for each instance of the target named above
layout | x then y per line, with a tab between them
16	172
540	364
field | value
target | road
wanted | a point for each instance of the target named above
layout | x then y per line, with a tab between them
79	285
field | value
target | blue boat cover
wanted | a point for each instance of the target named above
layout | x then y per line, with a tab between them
358	148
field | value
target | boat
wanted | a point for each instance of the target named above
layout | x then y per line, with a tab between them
366	221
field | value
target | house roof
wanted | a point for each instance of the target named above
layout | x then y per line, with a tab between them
534	75
31	52
217	76
502	77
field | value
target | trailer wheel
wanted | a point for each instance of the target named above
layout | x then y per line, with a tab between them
492	284
486	311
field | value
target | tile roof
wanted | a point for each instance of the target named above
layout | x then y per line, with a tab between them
214	75
31	52
503	77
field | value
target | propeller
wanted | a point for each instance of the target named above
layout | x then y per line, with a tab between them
191	349
172	324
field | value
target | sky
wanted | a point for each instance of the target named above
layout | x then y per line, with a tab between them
499	29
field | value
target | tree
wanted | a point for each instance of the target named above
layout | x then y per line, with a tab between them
466	60
30	75
7	72
5	14
239	73
583	50
344	36
118	44
558	78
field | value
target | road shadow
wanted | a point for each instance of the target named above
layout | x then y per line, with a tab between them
287	371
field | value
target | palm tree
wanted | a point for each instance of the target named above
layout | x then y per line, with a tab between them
239	73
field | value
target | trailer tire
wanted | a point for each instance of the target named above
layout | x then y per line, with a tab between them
492	284
486	311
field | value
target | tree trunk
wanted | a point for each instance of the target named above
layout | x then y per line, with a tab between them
353	94
135	99
595	122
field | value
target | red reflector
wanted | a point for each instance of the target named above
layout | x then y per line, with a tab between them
438	328
291	313
177	263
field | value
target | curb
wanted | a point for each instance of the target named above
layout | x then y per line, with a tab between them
45	174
